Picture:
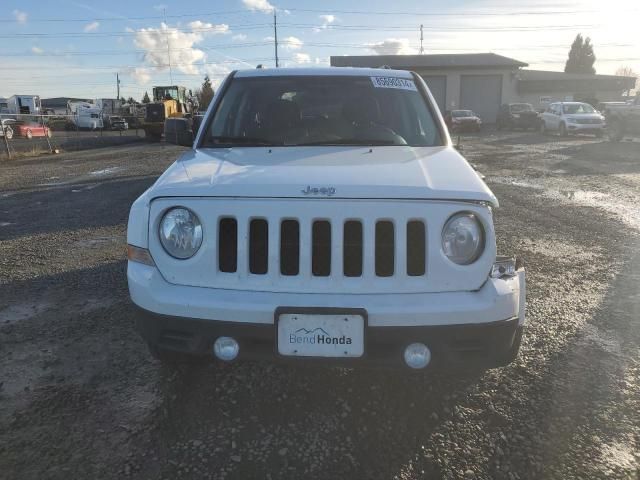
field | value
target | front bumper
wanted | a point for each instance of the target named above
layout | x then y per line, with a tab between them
460	328
585	127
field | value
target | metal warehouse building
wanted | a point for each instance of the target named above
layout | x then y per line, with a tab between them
483	81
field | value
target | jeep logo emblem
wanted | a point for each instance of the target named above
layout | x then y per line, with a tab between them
326	191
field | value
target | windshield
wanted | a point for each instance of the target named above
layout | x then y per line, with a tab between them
521	107
578	108
322	110
462	113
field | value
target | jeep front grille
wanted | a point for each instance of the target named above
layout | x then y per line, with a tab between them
349	245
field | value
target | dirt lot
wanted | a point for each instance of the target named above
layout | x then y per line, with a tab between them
81	398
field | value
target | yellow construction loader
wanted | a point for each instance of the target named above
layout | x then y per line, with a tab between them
168	102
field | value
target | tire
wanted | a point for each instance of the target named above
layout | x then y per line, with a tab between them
29	134
562	130
48	133
615	130
9	133
543	128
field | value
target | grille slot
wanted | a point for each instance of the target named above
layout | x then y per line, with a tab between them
416	248
385	248
352	245
321	248
258	246
289	247
228	245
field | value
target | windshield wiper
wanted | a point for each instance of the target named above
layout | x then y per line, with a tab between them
350	141
228	140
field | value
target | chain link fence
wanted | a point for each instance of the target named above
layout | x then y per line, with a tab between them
26	134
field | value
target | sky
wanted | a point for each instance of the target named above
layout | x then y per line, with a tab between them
75	48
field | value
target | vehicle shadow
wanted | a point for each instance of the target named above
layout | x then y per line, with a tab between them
82	204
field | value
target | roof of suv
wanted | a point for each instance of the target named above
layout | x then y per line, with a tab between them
327	71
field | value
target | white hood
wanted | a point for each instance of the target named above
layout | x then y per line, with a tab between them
394	172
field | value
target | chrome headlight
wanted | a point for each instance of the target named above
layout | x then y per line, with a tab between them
180	233
463	238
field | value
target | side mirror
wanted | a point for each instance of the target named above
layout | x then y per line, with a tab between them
178	131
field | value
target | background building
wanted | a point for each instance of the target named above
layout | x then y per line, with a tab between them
483	81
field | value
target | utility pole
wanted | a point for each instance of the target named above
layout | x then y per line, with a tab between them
421	39
275	34
166	30
118	85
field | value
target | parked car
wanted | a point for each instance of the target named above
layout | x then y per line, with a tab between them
623	120
29	130
5	128
571	117
463	120
331	219
118	123
517	115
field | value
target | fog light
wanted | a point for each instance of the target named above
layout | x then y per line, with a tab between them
226	348
417	355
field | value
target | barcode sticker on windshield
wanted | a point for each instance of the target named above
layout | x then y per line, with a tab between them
393	82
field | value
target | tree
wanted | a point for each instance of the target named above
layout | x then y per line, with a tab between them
581	56
205	94
625	71
146	98
131	101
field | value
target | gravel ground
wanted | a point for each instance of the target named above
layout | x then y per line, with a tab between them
81	398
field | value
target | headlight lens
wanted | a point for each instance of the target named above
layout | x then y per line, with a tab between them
180	233
463	238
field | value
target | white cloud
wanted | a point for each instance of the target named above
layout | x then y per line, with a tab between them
91	27
301	57
182	44
20	16
291	43
37	50
239	37
392	46
204	27
326	21
141	75
258	5
327	18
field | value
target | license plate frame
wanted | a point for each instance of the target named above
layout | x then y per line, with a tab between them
329	312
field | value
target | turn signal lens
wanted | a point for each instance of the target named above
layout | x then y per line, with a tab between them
140	255
504	267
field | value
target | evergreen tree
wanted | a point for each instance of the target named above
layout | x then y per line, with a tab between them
581	56
205	94
145	98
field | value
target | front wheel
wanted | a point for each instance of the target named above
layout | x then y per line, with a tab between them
615	131
29	134
543	128
9	133
563	130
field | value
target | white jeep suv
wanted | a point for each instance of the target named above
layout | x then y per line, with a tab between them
324	214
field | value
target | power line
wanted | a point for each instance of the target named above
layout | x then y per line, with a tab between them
280	42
